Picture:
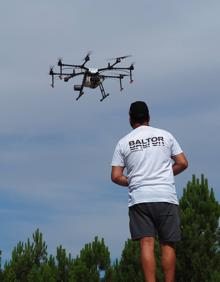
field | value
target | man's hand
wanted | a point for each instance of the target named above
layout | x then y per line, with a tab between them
180	163
118	177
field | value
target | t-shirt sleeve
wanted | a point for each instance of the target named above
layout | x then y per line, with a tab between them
118	159
175	147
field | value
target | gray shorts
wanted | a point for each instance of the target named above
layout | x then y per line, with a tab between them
155	219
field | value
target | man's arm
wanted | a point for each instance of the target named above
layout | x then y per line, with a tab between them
180	163
118	177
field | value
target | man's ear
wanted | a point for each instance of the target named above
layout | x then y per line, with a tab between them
131	122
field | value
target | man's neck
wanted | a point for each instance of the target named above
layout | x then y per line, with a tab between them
136	125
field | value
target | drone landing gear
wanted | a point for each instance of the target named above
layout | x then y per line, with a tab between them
80	94
80	87
104	95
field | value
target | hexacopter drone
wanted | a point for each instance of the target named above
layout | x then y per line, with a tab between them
92	77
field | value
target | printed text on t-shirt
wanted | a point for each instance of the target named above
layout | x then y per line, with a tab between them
140	144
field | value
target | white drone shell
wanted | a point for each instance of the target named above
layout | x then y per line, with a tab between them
93	70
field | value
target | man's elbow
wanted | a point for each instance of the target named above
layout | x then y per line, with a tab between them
115	178
185	164
182	166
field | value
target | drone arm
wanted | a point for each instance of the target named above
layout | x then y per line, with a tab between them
128	68
118	60
61	70
75	66
87	58
121	88
110	67
69	76
131	78
131	68
120	77
114	76
52	83
52	74
81	88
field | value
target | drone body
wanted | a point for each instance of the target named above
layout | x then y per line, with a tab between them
92	77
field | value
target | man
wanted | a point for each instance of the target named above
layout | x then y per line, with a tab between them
151	157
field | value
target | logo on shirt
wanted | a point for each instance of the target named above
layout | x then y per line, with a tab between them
140	144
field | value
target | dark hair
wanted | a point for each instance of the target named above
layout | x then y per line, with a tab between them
139	112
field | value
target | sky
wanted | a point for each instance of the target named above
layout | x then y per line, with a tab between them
55	152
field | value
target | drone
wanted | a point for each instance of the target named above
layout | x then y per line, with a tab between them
92	77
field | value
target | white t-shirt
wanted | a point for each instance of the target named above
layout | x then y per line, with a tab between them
146	154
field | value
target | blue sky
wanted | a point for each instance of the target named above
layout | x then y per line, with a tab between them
55	152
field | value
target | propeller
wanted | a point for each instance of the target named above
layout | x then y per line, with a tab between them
51	70
87	57
120	58
132	66
60	61
52	74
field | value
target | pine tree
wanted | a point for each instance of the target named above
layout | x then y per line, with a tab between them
26	258
198	254
130	265
64	264
94	258
1	272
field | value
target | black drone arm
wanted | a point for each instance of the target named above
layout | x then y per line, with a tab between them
71	75
67	76
52	74
110	68
120	77
74	66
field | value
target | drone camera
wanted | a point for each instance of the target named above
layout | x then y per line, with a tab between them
77	87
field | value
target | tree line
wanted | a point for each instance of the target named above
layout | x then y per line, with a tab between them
198	254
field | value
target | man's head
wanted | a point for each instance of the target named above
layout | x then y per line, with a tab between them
139	113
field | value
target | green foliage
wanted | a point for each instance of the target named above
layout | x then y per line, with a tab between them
93	259
26	258
199	251
30	263
198	254
130	267
96	254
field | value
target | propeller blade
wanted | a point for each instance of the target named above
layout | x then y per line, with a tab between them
132	66
51	70
87	57
120	58
59	61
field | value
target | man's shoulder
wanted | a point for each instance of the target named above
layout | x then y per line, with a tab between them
160	130
148	130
